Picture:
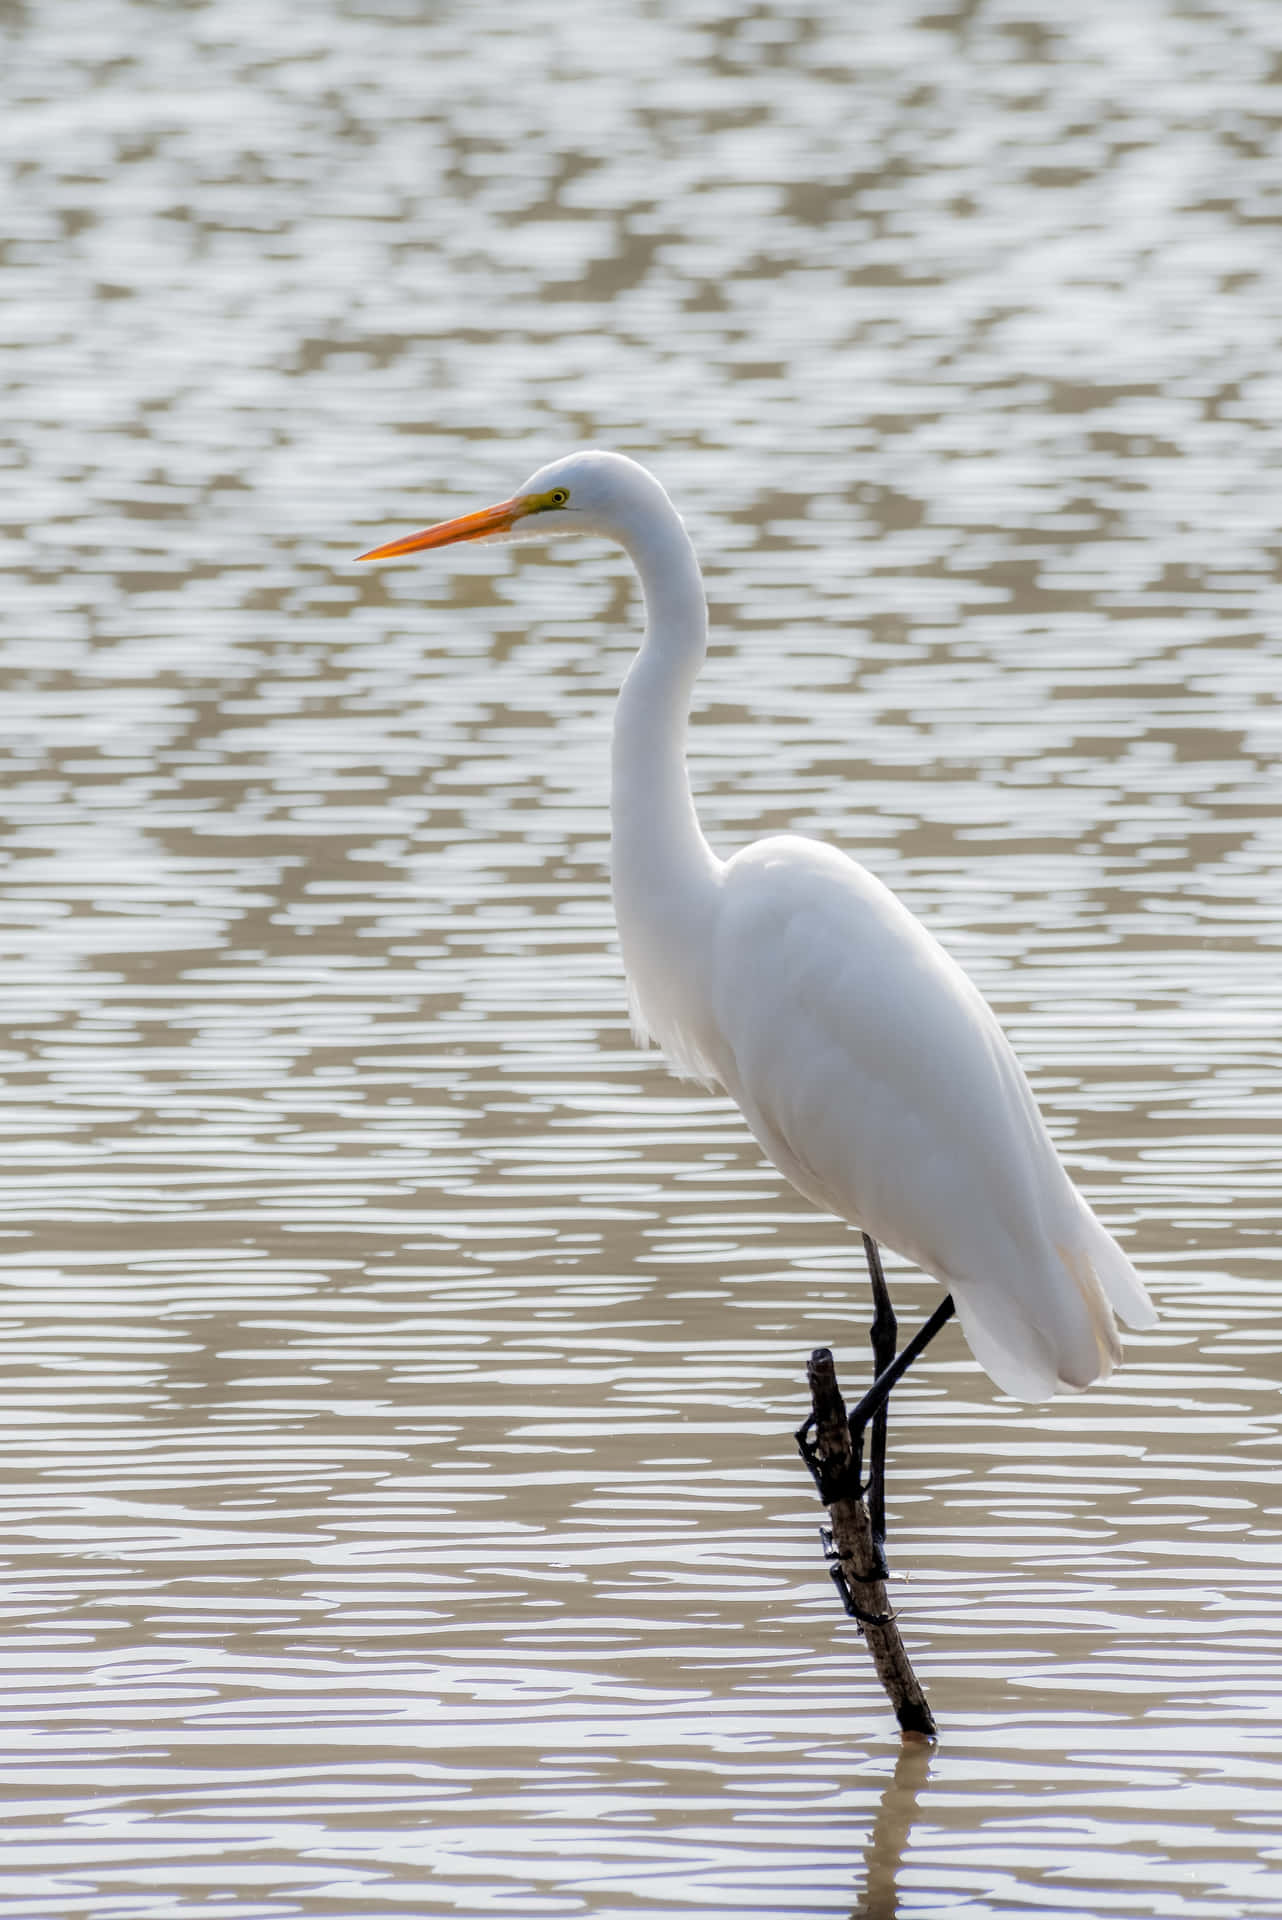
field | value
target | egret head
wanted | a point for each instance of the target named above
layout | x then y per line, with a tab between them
590	492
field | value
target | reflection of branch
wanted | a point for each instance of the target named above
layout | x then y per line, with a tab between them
884	1853
858	1565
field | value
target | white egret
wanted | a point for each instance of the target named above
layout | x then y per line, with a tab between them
866	1063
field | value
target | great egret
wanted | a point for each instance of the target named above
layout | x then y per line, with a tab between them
868	1066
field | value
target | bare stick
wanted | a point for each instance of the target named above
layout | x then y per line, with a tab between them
857	1563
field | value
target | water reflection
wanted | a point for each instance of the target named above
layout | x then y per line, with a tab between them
399	1369
891	1834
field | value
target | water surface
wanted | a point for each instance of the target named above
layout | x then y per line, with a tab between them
400	1509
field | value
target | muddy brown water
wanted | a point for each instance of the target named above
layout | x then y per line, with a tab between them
400	1513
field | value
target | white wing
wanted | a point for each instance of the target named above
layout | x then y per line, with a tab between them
878	1080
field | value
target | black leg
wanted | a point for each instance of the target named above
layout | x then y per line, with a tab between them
880	1390
883	1333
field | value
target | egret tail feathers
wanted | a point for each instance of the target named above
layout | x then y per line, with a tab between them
1065	1338
1013	1352
1126	1292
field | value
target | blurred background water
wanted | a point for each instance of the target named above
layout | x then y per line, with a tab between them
400	1513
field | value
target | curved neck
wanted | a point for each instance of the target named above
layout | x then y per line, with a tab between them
663	868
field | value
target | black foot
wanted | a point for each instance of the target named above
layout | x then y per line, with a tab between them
879	1571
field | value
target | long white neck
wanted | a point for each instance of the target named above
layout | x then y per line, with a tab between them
665	875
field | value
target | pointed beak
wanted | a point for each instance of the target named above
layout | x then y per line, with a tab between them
469	526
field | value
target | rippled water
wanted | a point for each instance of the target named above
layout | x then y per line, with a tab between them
400	1510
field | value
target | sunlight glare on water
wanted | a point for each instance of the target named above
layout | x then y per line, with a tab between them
400	1507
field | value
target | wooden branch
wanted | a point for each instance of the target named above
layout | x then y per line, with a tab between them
856	1561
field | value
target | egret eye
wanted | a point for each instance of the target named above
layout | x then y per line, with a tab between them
558	496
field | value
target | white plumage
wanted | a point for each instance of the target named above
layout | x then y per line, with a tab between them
871	1070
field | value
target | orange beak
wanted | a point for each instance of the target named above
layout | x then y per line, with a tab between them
469	526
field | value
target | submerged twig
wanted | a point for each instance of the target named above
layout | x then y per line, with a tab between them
857	1563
